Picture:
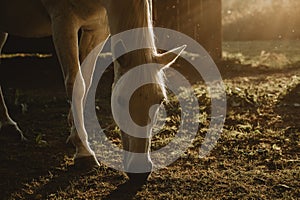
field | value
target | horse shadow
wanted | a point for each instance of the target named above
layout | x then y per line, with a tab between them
125	191
25	177
63	181
20	164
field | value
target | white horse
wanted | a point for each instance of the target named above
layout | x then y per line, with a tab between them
96	19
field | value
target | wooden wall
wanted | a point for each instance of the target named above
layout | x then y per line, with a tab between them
199	19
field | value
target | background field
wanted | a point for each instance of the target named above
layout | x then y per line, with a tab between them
260	19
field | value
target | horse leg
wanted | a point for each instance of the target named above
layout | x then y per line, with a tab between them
7	125
65	39
134	162
91	36
3	37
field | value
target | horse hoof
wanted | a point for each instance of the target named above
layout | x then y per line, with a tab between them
12	131
86	163
138	179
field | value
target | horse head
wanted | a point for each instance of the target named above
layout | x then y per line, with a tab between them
138	90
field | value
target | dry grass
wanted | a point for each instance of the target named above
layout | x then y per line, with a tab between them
257	156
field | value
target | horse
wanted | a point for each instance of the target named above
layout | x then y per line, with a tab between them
96	19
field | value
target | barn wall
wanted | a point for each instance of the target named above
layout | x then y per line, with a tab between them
199	19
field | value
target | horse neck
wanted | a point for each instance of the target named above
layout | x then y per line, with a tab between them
130	14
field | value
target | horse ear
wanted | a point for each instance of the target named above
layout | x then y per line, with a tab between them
171	56
119	48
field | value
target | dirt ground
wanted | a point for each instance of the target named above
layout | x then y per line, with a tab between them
257	155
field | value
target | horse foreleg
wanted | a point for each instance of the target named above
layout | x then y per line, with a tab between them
133	162
8	127
3	37
66	43
91	37
93	34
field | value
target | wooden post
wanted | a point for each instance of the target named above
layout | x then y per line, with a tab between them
199	19
208	31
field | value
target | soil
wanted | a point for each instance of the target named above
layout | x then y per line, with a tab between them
257	155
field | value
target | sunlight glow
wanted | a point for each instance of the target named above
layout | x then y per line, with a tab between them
261	19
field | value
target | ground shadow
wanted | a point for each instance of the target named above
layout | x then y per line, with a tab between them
62	181
24	162
125	191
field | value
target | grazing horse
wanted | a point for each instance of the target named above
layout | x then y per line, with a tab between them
96	19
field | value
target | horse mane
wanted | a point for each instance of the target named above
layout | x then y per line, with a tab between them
142	17
137	14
